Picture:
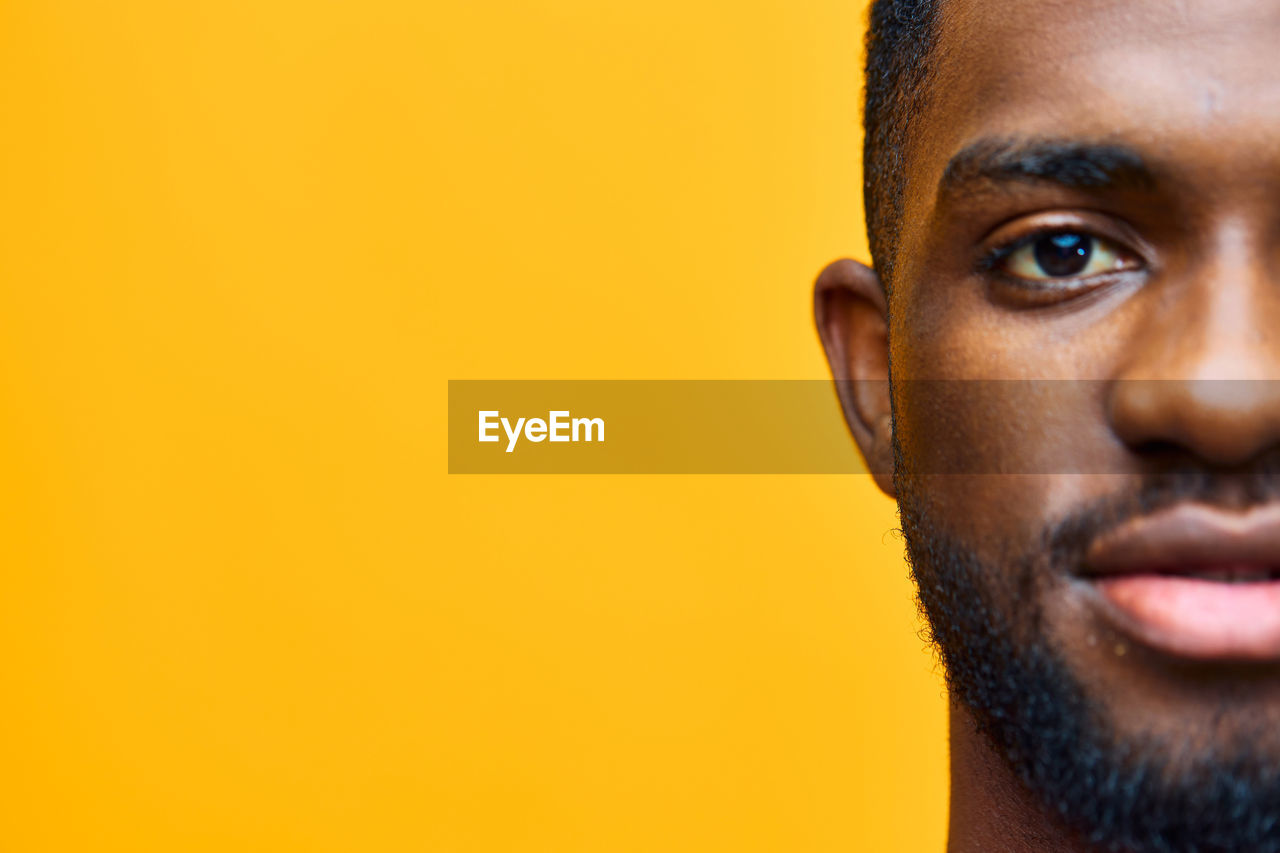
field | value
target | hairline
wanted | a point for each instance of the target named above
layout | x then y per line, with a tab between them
898	73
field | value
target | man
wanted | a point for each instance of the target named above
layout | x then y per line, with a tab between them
1062	366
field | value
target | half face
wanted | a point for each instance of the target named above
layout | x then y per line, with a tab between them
1093	218
1085	347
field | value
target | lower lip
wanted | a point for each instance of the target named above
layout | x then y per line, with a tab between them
1197	618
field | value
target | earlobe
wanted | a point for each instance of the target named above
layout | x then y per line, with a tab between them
852	317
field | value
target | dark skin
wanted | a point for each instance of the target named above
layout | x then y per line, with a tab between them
1153	129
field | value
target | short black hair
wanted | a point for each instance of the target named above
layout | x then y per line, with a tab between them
900	36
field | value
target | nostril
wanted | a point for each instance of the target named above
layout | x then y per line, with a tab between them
1160	449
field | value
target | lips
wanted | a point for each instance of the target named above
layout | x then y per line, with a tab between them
1195	581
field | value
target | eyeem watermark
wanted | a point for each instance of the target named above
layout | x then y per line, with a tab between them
559	426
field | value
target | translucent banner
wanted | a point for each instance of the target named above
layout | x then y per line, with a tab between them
995	427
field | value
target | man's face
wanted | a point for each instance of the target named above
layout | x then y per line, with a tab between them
1092	210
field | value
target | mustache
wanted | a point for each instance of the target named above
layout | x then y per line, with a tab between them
1235	490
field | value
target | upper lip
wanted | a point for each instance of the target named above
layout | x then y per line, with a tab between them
1190	538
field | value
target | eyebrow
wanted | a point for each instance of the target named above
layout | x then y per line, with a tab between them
1073	164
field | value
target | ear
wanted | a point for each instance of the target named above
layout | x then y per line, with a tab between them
853	322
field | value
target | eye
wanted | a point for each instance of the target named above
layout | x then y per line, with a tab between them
1064	255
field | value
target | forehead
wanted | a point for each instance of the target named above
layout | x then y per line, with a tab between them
1026	51
1193	84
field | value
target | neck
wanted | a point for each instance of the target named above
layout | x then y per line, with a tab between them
990	809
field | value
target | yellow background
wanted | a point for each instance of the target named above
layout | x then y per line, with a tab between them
244	607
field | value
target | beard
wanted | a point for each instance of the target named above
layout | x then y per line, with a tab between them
1136	793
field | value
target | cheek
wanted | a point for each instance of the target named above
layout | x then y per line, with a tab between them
1001	416
997	461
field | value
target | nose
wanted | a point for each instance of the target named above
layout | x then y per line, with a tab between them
1203	375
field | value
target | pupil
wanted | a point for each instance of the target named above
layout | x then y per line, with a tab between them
1063	254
